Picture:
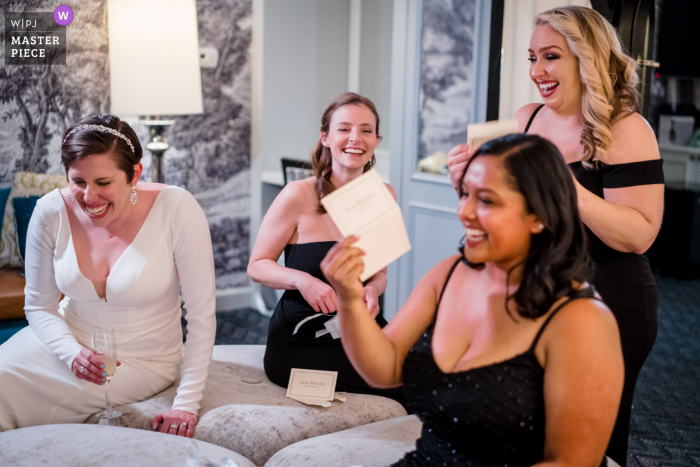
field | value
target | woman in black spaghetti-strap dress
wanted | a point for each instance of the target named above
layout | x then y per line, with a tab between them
589	114
490	338
499	408
298	225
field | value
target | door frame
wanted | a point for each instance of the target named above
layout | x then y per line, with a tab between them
405	107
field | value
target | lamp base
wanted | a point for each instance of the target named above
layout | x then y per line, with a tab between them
157	145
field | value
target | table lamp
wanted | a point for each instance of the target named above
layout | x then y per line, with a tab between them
154	66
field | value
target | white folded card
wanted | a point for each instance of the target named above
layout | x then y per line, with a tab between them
365	207
332	327
479	133
312	387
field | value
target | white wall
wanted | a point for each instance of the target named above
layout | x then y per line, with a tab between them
300	63
518	22
304	66
375	60
301	51
300	56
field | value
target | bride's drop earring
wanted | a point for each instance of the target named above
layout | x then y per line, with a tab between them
134	197
71	196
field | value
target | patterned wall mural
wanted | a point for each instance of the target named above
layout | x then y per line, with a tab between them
447	74
209	154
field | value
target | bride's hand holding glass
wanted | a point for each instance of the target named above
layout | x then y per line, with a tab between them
88	366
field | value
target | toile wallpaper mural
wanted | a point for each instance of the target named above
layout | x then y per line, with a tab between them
209	154
448	75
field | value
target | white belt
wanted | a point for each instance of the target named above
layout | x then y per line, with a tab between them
332	326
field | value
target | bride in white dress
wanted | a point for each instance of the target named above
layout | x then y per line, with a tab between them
120	252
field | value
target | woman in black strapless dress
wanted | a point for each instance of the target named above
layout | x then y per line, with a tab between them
297	224
287	349
589	114
503	351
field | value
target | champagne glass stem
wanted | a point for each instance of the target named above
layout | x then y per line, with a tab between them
108	408
104	344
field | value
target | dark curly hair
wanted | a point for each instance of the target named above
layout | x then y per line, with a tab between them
558	256
321	158
86	142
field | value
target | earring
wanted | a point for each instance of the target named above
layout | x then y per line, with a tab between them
541	227
133	197
71	196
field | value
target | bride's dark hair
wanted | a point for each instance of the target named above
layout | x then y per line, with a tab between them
558	256
80	142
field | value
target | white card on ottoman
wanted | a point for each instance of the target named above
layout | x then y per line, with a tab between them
375	445
87	445
256	420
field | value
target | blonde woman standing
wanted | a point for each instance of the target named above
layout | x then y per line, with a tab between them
588	86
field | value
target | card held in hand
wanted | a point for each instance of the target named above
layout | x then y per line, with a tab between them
365	207
479	133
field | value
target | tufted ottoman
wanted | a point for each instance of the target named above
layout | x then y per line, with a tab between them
83	445
375	445
256	420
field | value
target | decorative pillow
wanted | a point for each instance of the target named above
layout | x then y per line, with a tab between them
4	195
25	184
23	213
376	444
83	445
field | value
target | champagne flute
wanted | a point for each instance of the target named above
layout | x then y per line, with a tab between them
105	346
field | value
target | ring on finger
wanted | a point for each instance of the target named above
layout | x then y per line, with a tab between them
82	369
173	427
184	423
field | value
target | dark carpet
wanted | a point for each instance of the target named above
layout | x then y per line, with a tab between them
242	326
665	428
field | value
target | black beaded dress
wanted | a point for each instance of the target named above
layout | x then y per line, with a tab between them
625	282
286	350
486	416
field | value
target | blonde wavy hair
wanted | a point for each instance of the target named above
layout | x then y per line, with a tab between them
608	75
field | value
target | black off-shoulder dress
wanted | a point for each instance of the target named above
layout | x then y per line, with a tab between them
625	282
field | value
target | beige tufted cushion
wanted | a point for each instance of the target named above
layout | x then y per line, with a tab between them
24	184
257	420
375	445
89	445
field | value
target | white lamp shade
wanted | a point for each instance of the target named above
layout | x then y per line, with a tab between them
154	57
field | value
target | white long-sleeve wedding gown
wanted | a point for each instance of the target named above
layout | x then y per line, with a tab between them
172	250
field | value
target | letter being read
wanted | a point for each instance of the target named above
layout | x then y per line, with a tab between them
365	207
